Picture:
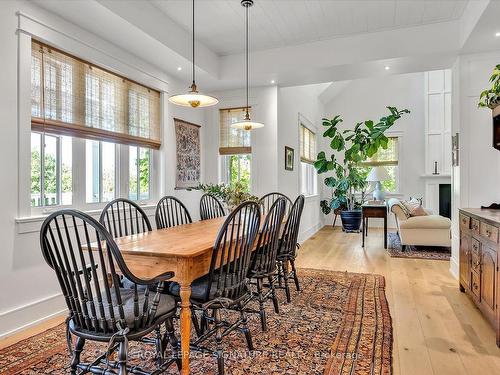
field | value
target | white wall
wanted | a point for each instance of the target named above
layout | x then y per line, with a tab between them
264	103
30	292
278	109
292	101
365	99
477	178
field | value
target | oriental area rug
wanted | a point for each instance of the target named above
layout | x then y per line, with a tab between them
338	324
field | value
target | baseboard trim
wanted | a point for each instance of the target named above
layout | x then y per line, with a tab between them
308	233
28	315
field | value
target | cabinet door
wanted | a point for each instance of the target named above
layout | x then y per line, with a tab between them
464	256
488	275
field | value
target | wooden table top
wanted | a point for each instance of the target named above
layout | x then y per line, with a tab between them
188	240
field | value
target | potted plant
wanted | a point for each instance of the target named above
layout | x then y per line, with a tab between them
491	97
232	195
351	147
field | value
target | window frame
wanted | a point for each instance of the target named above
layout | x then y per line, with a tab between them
313	176
25	210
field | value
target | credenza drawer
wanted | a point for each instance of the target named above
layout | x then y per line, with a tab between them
475	225
475	262
488	231
476	282
475	246
464	222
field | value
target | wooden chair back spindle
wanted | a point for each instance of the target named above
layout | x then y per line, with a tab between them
232	251
288	243
123	217
264	257
210	207
171	212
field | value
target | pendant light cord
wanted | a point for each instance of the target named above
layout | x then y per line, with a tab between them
193	47
246	21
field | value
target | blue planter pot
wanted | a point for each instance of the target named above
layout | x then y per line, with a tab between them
351	220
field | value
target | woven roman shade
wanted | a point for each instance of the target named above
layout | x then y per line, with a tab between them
70	96
307	145
389	156
233	141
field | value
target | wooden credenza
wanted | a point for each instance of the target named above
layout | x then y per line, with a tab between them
479	260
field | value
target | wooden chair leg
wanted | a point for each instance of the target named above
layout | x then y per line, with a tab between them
245	329
218	341
295	276
262	310
196	324
285	279
80	342
174	343
122	358
273	295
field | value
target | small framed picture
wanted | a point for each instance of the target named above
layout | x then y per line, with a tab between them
289	158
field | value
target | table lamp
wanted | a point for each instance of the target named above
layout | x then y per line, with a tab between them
378	174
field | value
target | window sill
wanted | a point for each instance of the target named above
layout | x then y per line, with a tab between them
30	224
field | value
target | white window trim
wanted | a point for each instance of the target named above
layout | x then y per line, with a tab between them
25	211
302	120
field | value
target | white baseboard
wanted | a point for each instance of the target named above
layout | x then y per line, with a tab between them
454	267
31	314
306	234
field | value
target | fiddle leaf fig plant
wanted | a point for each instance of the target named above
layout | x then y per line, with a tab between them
491	97
349	148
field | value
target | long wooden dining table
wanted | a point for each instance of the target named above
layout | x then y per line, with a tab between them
186	250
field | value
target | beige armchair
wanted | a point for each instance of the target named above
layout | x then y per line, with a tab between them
430	230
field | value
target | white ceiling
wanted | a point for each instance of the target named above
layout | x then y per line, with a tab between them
294	42
281	23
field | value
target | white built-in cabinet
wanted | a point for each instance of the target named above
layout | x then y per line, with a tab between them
438	121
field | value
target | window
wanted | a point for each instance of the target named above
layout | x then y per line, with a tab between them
51	170
139	173
100	170
389	159
308	175
237	169
235	149
89	125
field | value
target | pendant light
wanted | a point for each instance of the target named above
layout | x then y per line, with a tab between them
247	123
193	98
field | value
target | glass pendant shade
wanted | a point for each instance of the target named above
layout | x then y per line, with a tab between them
247	124
193	99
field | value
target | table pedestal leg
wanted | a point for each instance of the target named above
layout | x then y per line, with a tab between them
185	294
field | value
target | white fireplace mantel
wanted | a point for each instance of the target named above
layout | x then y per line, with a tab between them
432	182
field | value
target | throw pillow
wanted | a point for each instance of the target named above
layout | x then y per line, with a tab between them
414	208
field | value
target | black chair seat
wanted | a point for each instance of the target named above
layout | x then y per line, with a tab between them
199	289
165	306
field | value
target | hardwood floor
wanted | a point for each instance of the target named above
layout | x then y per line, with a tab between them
437	329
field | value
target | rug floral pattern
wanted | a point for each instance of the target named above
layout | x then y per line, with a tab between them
338	324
